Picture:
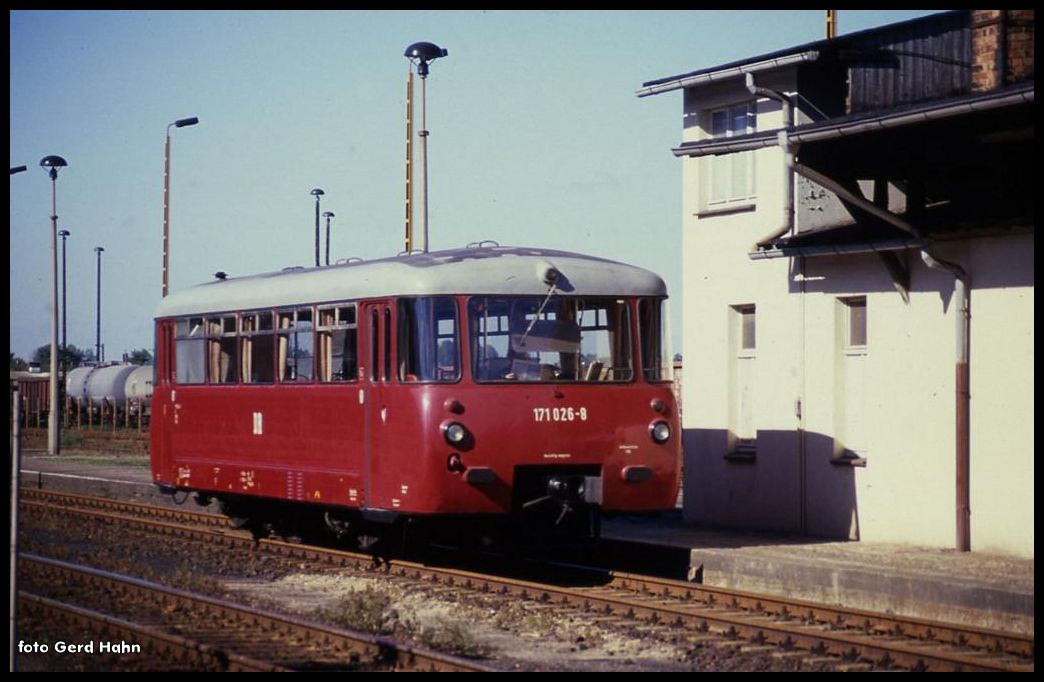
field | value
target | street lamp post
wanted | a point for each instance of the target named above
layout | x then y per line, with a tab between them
63	234
52	164
422	54
180	123
317	193
328	215
97	335
16	456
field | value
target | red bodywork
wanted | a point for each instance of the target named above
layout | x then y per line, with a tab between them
377	443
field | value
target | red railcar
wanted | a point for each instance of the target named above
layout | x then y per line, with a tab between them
486	382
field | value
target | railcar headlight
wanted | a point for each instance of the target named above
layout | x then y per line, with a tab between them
454	433
660	431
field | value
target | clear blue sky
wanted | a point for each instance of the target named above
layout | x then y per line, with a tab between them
537	139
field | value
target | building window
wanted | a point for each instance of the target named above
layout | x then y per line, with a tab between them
730	177
851	428
855	324
742	389
747	336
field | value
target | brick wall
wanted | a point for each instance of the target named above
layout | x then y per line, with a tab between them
996	33
1020	45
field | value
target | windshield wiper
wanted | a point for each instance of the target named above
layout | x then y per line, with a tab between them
540	310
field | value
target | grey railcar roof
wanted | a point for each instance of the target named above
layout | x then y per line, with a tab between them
484	270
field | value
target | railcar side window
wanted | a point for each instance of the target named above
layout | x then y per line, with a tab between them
428	339
652	329
550	339
189	363
258	348
221	349
294	342
375	351
338	343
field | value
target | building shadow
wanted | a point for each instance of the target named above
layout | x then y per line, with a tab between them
795	484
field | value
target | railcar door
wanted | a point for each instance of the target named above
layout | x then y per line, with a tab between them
162	416
378	377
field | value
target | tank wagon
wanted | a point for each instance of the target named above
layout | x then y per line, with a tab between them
503	385
117	392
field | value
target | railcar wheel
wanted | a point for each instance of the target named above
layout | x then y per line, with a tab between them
346	531
238	515
343	529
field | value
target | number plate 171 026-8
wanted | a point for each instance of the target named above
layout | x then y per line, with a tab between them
559	414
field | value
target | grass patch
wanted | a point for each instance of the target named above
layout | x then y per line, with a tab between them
516	616
454	638
89	457
368	609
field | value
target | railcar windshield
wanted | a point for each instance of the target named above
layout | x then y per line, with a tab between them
538	339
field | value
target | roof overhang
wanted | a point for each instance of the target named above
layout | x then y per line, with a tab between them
826	48
963	167
726	72
861	124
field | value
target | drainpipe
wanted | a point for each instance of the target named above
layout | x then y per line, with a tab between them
788	157
962	295
787	226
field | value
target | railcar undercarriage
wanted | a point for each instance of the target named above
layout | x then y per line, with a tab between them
551	506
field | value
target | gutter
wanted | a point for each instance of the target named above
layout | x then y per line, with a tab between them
926	114
839	249
1024	95
727	73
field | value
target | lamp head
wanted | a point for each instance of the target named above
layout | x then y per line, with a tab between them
53	163
328	214
98	249
422	53
317	192
182	122
64	233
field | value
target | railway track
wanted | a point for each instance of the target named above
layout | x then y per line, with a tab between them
218	633
668	607
157	646
126	508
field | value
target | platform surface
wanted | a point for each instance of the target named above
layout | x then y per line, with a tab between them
988	590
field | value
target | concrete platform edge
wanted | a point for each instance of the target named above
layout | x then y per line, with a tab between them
869	588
